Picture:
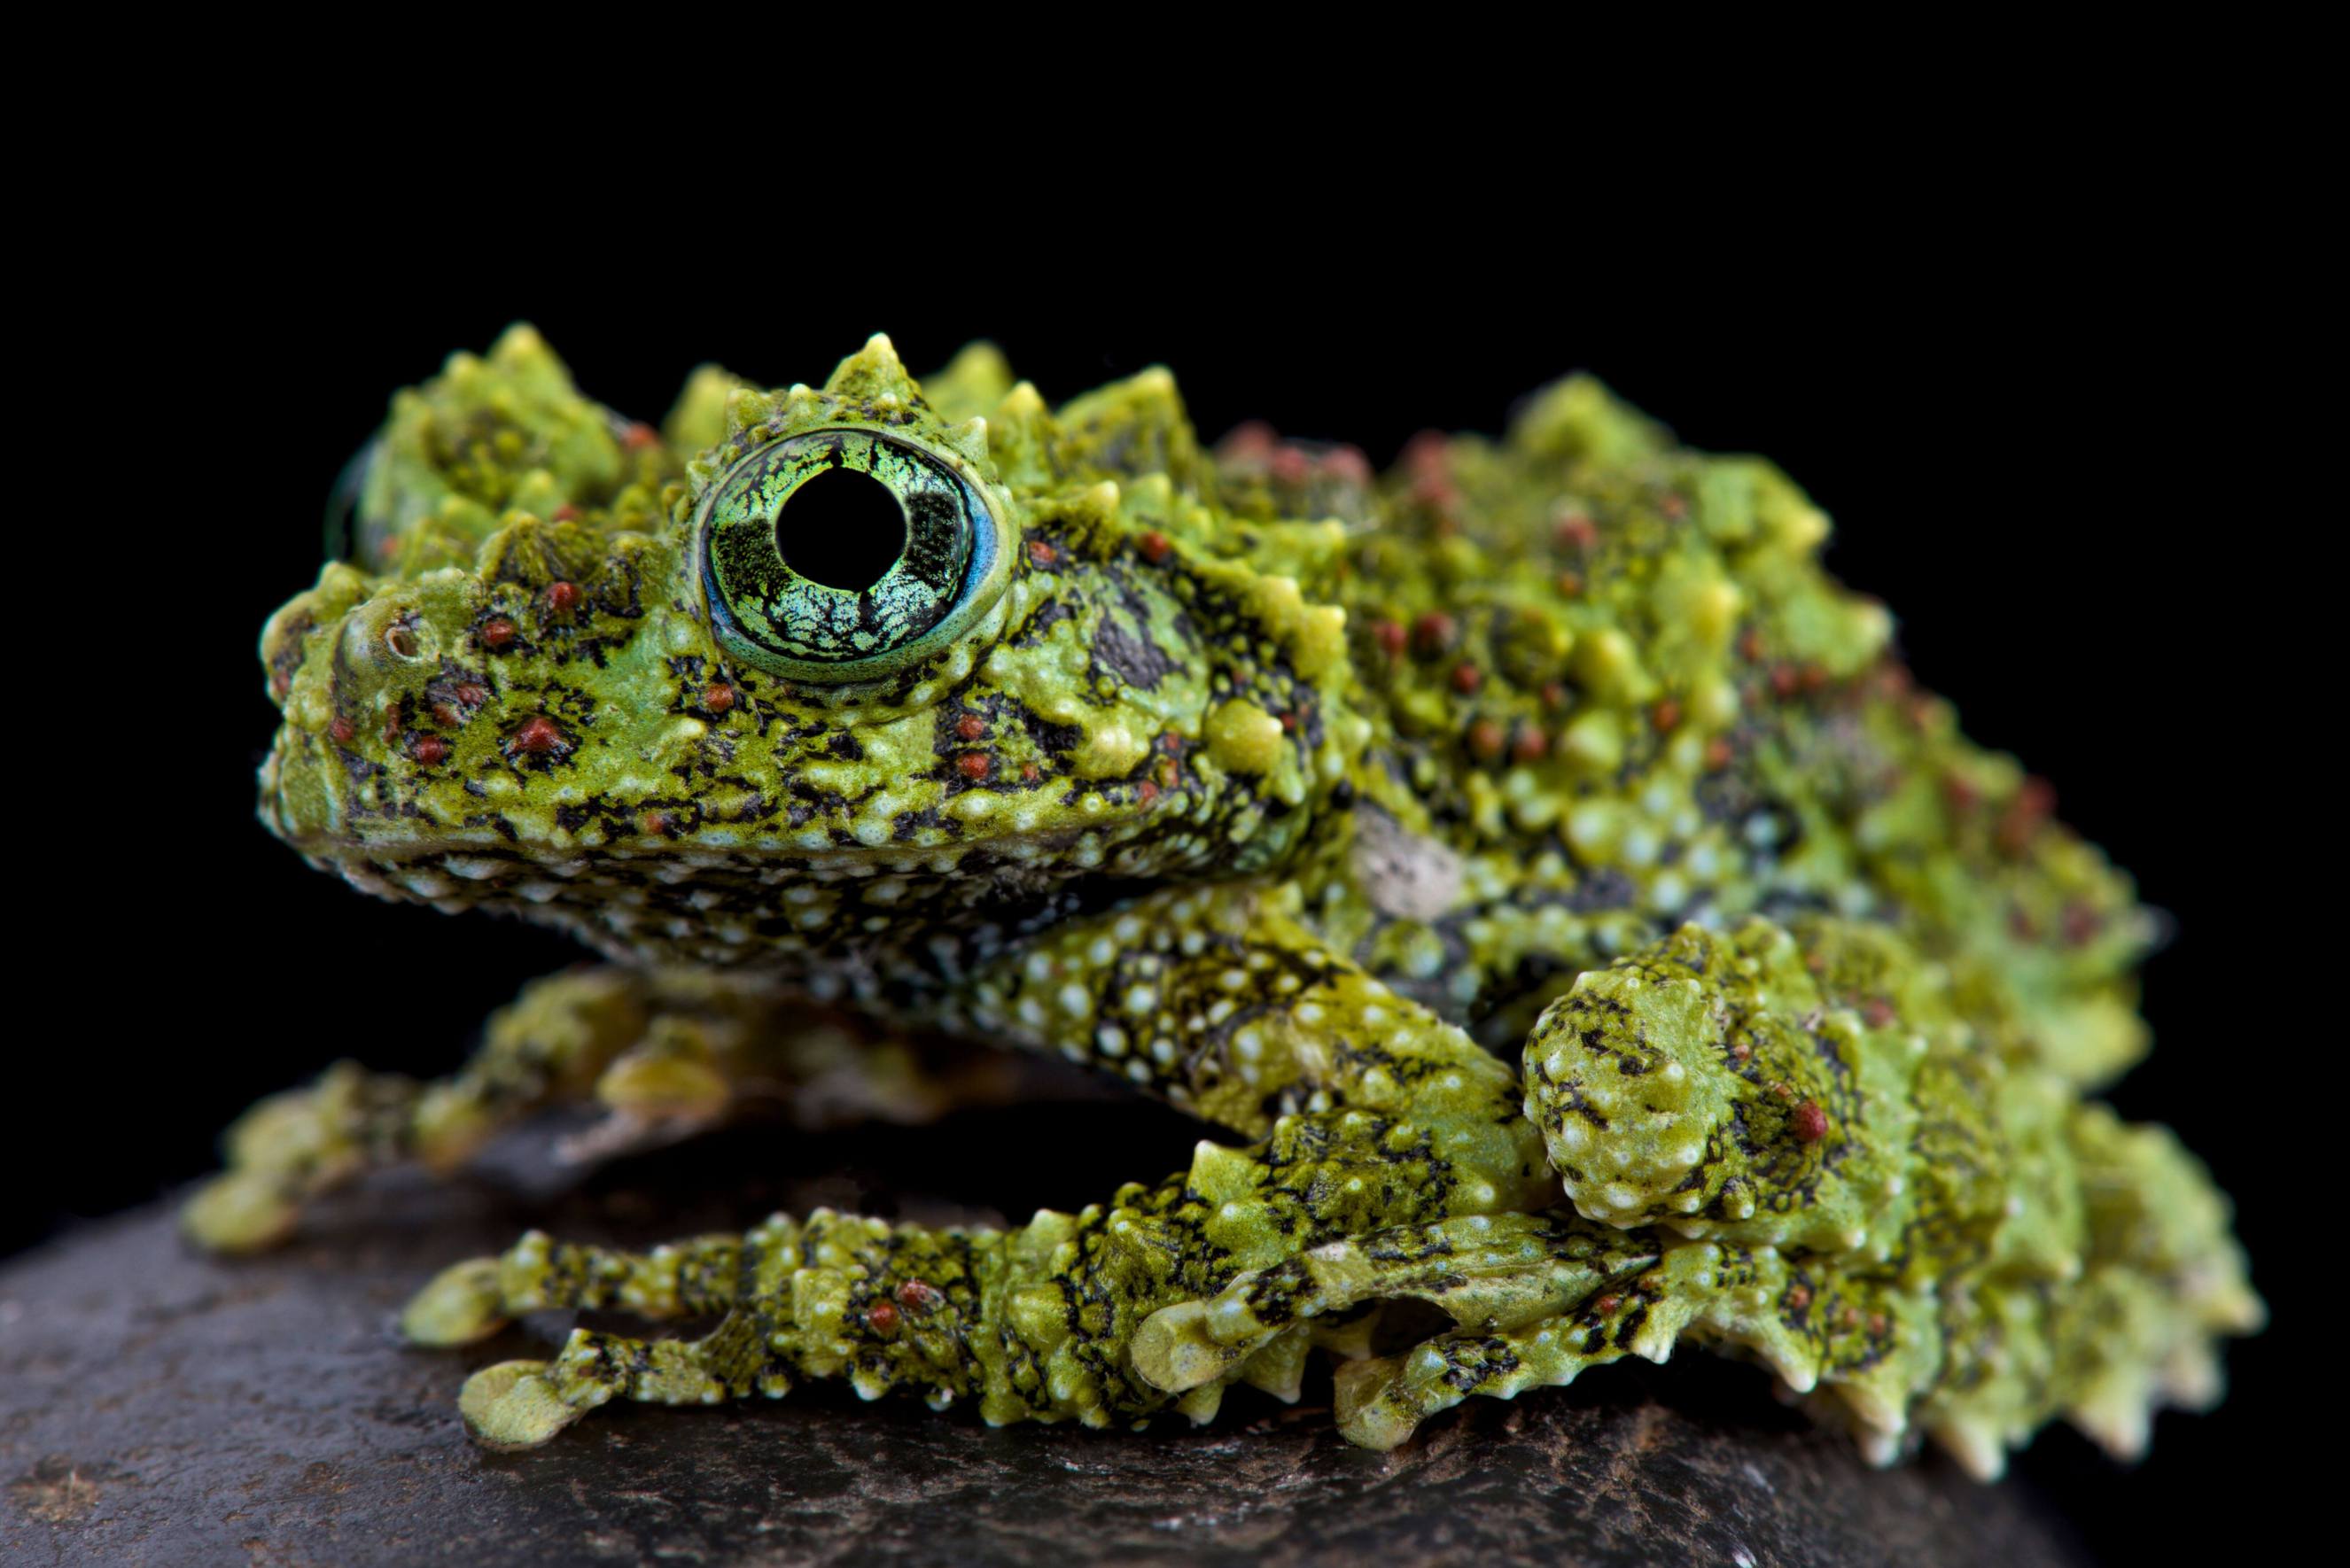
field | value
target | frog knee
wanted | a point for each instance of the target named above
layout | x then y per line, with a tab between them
1708	1084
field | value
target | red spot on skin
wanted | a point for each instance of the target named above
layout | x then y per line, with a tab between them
639	434
1786	679
446	715
1718	752
562	597
1959	793
1811	1122
1531	744
974	767
1750	645
1674	508
538	734
921	1296
1252	440
970	727
1168	773
656	823
1029	773
1431	633
279	684
1554	695
431	749
1606	1304
2033	804
1467	678
719	697
497	632
1783	1092
1154	547
1877	1323
1814	677
1042	552
881	1317
2082	924
1347	464
1665	715
1289	723
1390	636
564	513
1571	584
1425	453
1739	1049
1486	739
1876	1011
1146	792
1799	1296
472	693
1291	466
340	729
1575	532
1438	492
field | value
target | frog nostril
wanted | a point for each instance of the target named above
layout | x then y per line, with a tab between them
401	640
841	528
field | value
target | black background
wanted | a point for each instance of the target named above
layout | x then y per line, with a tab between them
2047	399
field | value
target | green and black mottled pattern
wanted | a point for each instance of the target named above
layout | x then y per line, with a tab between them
1310	799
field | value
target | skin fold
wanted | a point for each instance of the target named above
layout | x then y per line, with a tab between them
1542	878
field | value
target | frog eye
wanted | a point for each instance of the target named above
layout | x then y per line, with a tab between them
846	555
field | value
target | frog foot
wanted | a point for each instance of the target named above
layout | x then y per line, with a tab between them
521	1404
290	1147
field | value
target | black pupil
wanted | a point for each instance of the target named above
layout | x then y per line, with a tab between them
841	528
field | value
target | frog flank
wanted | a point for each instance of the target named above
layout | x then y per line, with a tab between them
1541	878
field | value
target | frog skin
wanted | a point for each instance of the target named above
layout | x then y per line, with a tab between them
1305	799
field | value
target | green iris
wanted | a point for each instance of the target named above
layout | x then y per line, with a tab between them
845	555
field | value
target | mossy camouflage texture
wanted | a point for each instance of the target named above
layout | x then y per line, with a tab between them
1304	798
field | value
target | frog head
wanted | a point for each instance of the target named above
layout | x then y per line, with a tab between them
870	660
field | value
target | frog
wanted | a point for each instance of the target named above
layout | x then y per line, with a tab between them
1576	931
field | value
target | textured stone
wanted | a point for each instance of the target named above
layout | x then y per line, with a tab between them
160	1407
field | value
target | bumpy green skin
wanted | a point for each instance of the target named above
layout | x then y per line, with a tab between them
1292	795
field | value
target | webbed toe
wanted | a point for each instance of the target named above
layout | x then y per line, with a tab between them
513	1405
240	1211
461	1304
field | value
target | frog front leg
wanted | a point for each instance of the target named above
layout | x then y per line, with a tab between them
1218	1000
662	1051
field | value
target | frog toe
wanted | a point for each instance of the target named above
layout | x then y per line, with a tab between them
514	1405
463	1304
1174	1352
240	1211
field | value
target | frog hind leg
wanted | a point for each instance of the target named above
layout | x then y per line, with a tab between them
665	1051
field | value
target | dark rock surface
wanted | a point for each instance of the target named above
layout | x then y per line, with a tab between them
160	1407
